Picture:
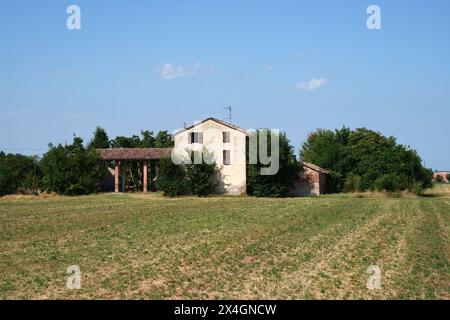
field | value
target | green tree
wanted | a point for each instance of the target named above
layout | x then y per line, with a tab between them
163	140
279	184
379	162
172	178
100	139
71	169
202	178
18	173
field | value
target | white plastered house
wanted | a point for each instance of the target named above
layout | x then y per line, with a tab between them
227	144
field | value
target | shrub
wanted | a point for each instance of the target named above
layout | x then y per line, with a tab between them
172	178
438	179
390	182
352	183
281	183
380	161
417	188
16	173
71	169
448	177
202	178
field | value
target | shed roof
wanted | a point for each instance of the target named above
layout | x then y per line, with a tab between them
315	168
135	153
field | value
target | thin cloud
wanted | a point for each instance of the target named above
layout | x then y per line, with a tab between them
311	85
169	71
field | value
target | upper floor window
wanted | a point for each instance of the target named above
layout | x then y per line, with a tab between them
195	137
226	136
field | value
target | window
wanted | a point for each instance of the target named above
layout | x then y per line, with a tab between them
226	157
226	136
195	137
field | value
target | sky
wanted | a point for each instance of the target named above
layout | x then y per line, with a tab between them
289	65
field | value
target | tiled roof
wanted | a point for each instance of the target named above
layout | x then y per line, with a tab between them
315	168
229	125
134	153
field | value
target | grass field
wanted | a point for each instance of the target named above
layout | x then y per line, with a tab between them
147	246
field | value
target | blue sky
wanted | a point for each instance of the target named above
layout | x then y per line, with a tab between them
292	65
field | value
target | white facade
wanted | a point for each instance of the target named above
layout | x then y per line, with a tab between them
226	143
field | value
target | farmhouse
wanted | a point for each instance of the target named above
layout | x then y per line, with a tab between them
442	174
226	143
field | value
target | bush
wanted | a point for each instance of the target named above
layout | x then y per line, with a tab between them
71	169
448	177
353	183
198	179
202	178
417	188
438	179
390	183
172	179
18	173
379	161
281	183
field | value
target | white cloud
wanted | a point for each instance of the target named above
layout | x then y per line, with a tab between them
311	85
170	71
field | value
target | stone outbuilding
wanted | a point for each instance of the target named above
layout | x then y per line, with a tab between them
312	181
442	174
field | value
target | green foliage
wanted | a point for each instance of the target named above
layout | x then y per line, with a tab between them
145	140
189	178
352	183
172	178
448	177
163	140
279	184
100	139
18	173
202	178
438	179
379	161
71	169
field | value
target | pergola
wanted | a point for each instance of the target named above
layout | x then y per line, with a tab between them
121	155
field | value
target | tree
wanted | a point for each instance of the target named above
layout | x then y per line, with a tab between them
202	178
279	184
375	161
18	173
71	169
448	177
100	139
163	140
172	178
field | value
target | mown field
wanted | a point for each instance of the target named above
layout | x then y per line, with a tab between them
146	246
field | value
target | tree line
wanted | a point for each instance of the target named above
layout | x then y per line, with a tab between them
358	160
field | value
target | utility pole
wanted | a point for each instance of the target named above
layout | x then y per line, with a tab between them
230	118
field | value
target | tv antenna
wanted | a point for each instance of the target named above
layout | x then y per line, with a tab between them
229	114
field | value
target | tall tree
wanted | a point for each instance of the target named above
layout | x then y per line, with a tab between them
281	183
71	169
364	159
100	140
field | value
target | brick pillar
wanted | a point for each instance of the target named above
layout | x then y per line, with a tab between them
124	176
116	175
145	172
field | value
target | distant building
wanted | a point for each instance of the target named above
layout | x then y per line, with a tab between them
442	174
227	144
312	181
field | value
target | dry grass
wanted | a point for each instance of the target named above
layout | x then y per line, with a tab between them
147	246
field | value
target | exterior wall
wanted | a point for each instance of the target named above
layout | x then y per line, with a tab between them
443	174
233	176
310	182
